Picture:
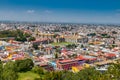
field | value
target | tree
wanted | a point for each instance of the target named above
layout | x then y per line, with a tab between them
9	72
74	45
24	65
35	46
55	75
89	74
56	55
114	71
22	38
56	35
38	70
74	55
27	35
105	35
31	39
82	46
1	69
91	34
9	75
114	32
70	76
70	46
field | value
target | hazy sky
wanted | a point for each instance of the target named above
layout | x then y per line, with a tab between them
79	11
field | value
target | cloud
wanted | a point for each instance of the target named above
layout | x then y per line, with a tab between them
30	11
48	11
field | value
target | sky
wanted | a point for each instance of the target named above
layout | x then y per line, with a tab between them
75	11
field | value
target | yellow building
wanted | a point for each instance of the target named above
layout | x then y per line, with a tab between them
46	35
72	38
76	69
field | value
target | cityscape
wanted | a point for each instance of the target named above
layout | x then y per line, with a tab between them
59	40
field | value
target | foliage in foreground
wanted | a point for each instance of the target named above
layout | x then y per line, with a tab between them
10	70
25	69
86	74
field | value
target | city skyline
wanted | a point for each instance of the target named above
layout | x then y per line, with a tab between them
76	11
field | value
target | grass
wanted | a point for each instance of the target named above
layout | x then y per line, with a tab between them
61	43
27	76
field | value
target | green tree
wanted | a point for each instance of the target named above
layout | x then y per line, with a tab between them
9	75
82	46
89	74
9	72
1	69
55	75
56	35
69	76
35	46
24	65
31	39
56	55
27	35
38	70
114	71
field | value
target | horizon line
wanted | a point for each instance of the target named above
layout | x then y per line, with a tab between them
16	21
